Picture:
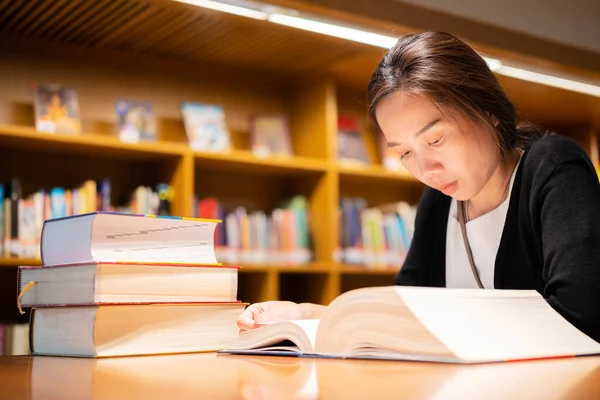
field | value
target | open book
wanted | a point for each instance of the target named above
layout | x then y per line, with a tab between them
426	324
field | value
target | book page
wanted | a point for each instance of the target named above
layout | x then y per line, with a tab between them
293	335
139	238
309	326
496	325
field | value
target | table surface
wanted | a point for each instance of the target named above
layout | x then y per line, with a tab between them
216	376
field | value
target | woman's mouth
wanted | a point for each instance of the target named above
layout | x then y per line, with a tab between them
449	188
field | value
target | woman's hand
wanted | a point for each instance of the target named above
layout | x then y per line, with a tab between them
273	311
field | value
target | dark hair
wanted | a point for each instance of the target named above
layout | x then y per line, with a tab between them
451	74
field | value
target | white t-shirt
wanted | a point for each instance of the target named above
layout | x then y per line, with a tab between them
484	234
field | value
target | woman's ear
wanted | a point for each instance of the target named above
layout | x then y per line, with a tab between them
493	120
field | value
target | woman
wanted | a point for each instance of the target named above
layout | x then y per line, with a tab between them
505	207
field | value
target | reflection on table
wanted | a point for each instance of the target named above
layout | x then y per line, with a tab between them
215	376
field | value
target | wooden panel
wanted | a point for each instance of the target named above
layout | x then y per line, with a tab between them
246	162
333	288
303	288
349	269
15	262
550	106
313	110
27	138
377	193
175	31
102	79
253	286
180	174
312	107
355	281
394	17
374	174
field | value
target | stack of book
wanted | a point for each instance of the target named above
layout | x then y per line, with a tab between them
115	284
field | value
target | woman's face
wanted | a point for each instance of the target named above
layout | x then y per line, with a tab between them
457	156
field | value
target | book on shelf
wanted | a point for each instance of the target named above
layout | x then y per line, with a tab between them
135	121
351	149
258	237
56	109
425	324
205	126
376	237
114	284
270	135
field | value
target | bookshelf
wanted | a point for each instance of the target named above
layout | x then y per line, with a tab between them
166	53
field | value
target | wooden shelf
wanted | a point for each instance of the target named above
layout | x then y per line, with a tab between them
23	137
310	268
359	270
246	161
373	173
315	268
15	261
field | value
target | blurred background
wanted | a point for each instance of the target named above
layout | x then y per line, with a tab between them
253	113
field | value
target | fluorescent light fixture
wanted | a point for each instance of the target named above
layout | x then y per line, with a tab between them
549	80
227	8
492	63
338	31
291	18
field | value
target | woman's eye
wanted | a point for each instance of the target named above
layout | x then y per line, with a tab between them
435	142
405	154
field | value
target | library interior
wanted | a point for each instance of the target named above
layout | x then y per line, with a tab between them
296	197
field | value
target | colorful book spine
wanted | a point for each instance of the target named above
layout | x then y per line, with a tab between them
280	236
22	216
375	237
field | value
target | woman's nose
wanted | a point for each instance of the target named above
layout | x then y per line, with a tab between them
429	167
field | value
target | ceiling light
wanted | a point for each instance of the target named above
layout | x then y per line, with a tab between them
227	8
338	31
291	18
549	80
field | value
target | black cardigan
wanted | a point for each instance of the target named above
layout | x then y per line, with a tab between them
551	236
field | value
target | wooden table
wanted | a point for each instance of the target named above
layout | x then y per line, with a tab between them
212	376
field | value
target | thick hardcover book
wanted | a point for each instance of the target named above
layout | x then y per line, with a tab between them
426	324
115	237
